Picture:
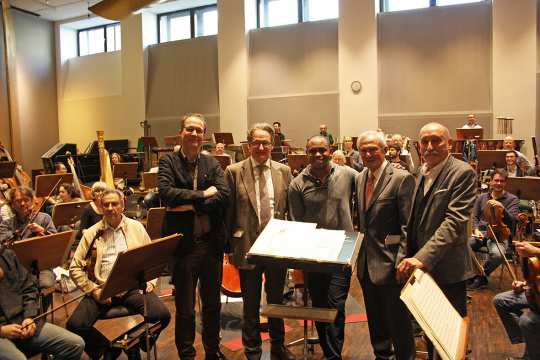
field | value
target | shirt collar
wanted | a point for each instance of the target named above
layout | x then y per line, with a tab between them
432	173
377	173
333	167
185	158
254	163
122	225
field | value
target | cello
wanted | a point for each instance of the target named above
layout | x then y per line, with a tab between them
20	178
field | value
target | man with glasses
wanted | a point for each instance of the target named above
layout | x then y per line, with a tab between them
322	194
258	188
497	198
192	185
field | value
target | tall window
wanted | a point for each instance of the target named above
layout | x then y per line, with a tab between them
283	12
188	23
398	5
105	38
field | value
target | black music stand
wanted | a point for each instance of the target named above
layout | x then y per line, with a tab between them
224	138
7	169
134	267
150	180
488	159
465	133
527	188
45	183
298	161
68	213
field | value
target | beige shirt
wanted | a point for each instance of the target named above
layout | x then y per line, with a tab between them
269	186
431	175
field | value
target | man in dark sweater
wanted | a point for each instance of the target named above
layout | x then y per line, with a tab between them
20	336
496	198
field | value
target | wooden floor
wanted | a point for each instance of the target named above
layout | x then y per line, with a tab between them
487	339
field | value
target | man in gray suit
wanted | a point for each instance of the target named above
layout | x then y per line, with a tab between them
384	202
437	228
258	188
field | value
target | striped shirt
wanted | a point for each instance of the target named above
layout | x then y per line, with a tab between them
114	244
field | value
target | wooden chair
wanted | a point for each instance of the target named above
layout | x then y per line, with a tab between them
154	222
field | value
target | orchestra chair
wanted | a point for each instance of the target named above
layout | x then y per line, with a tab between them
154	222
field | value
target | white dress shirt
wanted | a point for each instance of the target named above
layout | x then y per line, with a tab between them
431	175
269	186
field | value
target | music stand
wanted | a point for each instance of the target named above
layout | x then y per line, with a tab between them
488	159
45	183
150	180
68	213
134	267
223	160
298	161
172	140
465	133
7	169
125	170
149	142
527	188
224	138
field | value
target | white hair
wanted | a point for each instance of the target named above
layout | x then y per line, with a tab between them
379	137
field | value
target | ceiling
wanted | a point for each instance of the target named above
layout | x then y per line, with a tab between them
58	10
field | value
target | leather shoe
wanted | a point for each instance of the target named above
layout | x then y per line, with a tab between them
217	356
479	282
281	353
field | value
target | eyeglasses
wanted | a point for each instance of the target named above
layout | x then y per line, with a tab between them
265	144
191	129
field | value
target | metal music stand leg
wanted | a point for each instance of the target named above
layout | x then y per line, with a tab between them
142	286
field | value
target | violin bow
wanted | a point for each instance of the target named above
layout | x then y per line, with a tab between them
502	254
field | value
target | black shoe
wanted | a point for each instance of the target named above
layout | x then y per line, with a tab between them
217	356
281	353
133	353
480	282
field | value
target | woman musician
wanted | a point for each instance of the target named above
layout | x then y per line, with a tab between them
518	311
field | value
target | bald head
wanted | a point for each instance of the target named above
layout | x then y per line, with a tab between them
434	143
508	143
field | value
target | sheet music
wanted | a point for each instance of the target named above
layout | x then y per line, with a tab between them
437	317
298	240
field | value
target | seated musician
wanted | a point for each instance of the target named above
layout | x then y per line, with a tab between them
520	317
510	144
60	168
516	165
120	234
20	336
393	157
220	150
348	149
92	214
471	123
21	202
499	198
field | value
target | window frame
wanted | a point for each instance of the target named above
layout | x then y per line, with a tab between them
191	12
104	28
300	5
383	5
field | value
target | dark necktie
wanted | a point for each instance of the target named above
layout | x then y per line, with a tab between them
369	187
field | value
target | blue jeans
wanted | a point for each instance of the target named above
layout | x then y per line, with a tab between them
520	325
494	255
52	340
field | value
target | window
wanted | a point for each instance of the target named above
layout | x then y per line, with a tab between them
284	12
106	38
398	5
188	23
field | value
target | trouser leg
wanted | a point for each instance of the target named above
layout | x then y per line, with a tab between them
9	351
530	327
318	284
510	306
337	296
494	258
56	341
250	283
273	286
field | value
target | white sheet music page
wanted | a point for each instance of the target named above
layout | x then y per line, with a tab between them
437	317
298	240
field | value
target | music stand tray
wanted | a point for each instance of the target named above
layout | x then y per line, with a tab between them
125	170
68	213
489	158
7	169
46	182
224	138
527	188
44	252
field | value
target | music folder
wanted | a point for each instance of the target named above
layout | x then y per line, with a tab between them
68	213
125	170
44	252
46	182
440	321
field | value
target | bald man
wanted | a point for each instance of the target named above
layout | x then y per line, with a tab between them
510	144
437	227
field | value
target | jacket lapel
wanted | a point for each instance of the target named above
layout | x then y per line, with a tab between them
249	183
436	185
277	184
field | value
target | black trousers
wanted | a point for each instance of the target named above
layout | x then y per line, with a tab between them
203	267
251	283
330	291
89	310
457	295
390	328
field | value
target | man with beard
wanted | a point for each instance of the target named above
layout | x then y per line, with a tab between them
322	194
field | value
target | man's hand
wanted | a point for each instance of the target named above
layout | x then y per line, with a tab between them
524	249
149	287
11	331
477	234
211	191
406	267
519	286
96	293
495	203
28	328
36	229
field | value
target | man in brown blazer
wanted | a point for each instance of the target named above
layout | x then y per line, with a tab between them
258	188
437	228
384	202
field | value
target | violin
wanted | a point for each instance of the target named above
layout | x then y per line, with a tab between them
531	272
494	216
91	255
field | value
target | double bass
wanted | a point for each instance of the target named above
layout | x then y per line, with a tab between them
84	191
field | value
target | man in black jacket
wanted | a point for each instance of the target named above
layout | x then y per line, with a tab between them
19	334
193	187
